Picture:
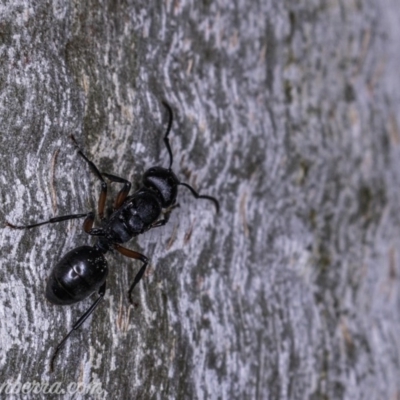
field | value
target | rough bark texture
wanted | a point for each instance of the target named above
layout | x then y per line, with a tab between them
287	111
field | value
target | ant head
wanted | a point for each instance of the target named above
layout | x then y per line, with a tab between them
164	182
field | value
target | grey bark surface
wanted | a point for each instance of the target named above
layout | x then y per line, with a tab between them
288	113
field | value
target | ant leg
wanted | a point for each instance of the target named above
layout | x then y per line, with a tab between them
137	256
88	222
166	140
123	193
80	321
50	221
95	170
88	226
163	221
198	196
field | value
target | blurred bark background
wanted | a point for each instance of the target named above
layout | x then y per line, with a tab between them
287	111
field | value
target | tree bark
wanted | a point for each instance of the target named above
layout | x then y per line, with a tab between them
287	112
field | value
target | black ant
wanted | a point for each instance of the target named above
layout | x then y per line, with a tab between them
84	269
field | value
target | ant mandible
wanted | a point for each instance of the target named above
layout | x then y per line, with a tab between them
84	269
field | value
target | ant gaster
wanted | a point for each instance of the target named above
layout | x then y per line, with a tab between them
84	269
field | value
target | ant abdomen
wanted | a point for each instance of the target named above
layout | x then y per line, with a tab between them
76	276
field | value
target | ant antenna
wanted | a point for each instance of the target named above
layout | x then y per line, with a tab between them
166	140
171	160
201	196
